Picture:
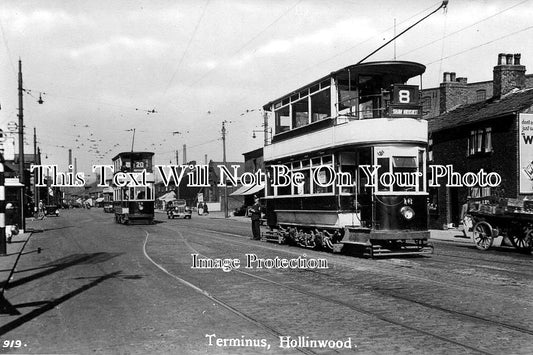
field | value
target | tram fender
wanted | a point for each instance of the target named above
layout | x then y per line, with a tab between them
356	235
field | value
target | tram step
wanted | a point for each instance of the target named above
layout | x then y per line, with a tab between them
271	236
378	250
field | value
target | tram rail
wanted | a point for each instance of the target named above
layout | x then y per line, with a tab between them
369	312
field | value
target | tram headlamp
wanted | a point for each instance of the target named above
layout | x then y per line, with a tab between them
407	212
141	206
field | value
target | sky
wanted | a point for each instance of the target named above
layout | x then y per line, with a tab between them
104	68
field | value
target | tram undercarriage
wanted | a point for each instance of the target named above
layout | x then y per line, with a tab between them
367	242
138	219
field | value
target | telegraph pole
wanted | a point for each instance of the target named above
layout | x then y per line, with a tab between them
21	152
224	161
35	202
265	127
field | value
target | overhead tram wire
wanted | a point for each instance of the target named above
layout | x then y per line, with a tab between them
92	100
442	46
481	45
7	48
462	29
443	5
186	48
368	39
358	44
364	41
202	77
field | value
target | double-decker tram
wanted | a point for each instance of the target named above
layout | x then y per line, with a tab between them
347	162
134	201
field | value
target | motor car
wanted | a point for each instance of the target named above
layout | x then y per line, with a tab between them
108	207
178	209
51	210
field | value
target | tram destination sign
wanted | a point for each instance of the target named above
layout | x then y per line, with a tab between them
405	101
405	111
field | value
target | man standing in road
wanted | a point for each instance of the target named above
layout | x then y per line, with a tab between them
255	215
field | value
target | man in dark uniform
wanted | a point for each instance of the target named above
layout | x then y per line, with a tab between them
255	215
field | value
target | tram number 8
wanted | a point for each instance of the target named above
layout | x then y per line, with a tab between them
404	96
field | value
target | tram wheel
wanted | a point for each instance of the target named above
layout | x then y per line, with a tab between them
483	235
523	239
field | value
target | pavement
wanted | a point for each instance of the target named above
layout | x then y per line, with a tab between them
8	263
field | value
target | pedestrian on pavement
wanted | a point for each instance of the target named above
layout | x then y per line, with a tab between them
206	210
200	208
255	215
11	226
40	212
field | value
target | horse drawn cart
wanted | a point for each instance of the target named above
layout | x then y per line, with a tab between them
491	217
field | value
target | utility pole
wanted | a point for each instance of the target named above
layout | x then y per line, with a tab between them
265	127
224	161
35	202
21	152
38	196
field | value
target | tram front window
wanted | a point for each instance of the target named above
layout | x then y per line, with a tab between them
405	170
399	173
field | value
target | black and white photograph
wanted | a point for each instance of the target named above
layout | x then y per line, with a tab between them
266	177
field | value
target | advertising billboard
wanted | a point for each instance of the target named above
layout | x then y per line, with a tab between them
525	127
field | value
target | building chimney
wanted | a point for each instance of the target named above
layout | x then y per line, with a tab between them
508	75
500	58
453	92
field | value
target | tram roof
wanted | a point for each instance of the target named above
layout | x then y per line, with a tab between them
403	69
132	153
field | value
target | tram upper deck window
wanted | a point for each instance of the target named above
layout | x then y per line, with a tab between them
320	105
300	113
283	119
347	97
370	96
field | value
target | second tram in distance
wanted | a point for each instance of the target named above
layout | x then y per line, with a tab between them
361	115
134	204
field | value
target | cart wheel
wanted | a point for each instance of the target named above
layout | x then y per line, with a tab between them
483	235
523	239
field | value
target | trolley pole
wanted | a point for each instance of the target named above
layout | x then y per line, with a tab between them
21	152
224	161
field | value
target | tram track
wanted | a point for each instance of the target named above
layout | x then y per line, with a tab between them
367	312
385	267
486	267
218	301
389	294
505	262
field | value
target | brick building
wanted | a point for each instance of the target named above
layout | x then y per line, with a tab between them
479	126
